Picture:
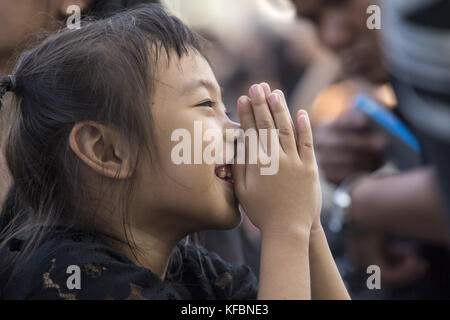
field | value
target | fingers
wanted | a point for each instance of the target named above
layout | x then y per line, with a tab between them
266	89
408	267
283	123
288	113
305	139
246	114
268	111
264	122
352	120
281	117
261	110
330	140
247	123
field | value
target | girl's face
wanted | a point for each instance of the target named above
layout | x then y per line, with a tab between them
190	196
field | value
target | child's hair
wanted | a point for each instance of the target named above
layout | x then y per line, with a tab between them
104	72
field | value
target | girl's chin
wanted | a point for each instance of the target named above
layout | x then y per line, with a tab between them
231	219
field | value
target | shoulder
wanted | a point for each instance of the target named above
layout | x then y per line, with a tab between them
77	265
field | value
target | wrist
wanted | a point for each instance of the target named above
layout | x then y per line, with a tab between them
358	195
316	228
286	233
362	193
316	238
343	202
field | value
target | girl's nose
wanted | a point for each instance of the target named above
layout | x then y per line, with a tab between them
233	124
232	127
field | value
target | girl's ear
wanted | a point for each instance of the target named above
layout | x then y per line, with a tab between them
82	4
100	149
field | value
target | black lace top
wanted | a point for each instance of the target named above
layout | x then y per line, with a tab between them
106	273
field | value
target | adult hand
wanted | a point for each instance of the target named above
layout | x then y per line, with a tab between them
349	145
399	264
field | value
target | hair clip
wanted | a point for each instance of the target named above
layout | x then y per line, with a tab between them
11	87
12	79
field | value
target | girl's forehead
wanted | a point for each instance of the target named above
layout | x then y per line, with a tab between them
179	72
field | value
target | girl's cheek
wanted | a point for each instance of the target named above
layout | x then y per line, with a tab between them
195	177
193	127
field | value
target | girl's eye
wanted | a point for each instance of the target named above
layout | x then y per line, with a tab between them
209	104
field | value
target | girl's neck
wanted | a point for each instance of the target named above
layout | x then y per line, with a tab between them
150	237
152	251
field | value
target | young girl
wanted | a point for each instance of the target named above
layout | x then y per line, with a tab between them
97	193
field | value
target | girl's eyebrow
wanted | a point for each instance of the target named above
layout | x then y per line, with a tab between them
208	84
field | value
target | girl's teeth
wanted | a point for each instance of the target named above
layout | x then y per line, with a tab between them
222	174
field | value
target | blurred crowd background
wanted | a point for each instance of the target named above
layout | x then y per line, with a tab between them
384	202
261	40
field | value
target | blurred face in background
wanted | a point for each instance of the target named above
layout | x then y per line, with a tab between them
19	19
342	25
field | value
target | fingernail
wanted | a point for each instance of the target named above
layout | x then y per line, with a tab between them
242	101
301	112
255	90
303	121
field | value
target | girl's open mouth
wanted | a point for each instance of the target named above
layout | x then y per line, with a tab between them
224	172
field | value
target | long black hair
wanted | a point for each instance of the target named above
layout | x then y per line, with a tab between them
104	72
